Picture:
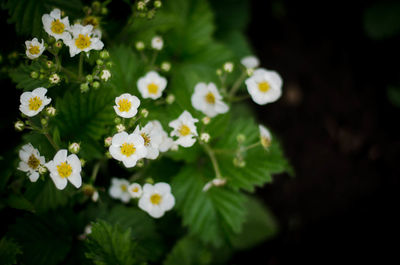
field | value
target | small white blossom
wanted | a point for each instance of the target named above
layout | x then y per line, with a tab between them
33	102
185	128
166	142
88	230
265	136
166	66
151	85
126	105
264	86
74	148
95	196
83	40
156	199
105	75
206	120
207	99
30	161
34	48
205	137
250	62
128	148
54	78
120	128
63	168
120	190
228	67
135	190
152	137
157	43
55	26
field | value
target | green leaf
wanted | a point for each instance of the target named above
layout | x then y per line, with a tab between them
260	163
43	239
110	244
213	215
260	225
19	202
231	14
8	251
382	20
27	14
189	251
22	76
394	95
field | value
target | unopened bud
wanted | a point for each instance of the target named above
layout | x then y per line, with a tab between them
170	99
228	67
51	111
205	137
219	182
104	54
89	78
249	71
139	45
99	62
149	180
206	120
34	75
144	113
105	75
241	138
95	196
74	148
140	163
117	120
104	11
107	141
83	162
239	162
43	121
157	4
84	87
120	128
166	66
19	126
42	169
96	84
108	155
219	72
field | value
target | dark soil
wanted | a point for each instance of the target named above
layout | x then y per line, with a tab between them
338	129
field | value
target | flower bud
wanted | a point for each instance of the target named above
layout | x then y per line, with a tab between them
84	87
108	155
107	141
166	66
139	45
105	75
104	54
54	78
149	180
50	111
120	128
219	72
34	75
49	64
157	43
239	162
141	5
140	163
117	120
206	120
99	62
228	67
205	137
104	11
41	76
170	99
83	162
144	113
95	196
157	4
19	126
74	148
96	84
241	138
89	78
42	169
43	121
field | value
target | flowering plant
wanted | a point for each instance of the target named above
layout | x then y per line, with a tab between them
145	121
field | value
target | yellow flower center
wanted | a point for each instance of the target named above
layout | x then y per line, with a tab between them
128	149
57	27
64	170
33	162
265	142
124	188
35	103
135	189
146	139
184	130
83	41
264	86
210	98
124	105
155	199
91	20
152	88
34	49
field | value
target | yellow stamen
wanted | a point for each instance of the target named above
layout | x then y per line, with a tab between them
152	88
184	130
91	20
264	86
155	199
135	189
33	162
146	139
265	142
210	98
124	188
57	27
128	149
64	170
83	41
35	103
34	49
124	105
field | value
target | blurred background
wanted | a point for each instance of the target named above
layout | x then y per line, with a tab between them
338	122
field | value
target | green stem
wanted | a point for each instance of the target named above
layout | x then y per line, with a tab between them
80	65
55	146
153	59
237	84
213	159
95	171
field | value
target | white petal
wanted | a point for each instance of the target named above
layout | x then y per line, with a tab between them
162	188
119	138
168	202
60	157
125	197
115	152
23	166
33	176
76	180
155	212
129	162
115	192
148	188
60	183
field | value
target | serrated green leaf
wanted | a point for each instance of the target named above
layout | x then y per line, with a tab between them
43	239
9	251
188	251
260	225
213	215
22	76
110	245
382	20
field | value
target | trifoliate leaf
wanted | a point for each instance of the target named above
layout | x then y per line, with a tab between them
22	76
260	225
213	215
110	244
189	251
9	250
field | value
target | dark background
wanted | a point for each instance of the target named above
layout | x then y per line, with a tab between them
338	129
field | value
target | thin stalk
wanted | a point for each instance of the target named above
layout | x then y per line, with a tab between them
96	169
213	159
237	84
80	65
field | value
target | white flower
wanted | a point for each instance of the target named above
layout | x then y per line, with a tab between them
126	105
135	190
84	39
30	161
228	67
264	86
33	102
128	148
151	85
34	48
250	62
207	99
265	136
166	142
157	43
185	129
166	66
55	26
119	190
63	168
120	127
54	78
152	137
105	75
156	199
